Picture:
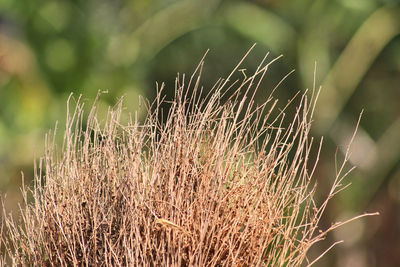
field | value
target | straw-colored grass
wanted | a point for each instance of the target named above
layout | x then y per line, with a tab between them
207	183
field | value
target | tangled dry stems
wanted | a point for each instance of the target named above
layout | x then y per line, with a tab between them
214	183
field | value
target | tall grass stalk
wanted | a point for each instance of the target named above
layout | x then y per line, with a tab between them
214	181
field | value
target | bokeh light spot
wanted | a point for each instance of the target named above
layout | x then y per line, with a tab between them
122	50
60	55
56	13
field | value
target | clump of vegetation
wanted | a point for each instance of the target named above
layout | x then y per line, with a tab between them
214	181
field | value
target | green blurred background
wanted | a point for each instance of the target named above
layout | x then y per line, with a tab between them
50	48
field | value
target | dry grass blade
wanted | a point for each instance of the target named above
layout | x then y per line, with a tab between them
213	183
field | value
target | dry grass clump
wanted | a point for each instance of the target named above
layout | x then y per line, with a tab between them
214	183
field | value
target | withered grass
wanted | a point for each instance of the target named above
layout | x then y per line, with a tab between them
206	183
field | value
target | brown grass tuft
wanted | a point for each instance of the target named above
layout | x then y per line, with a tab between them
214	183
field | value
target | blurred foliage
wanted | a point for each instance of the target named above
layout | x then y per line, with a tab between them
49	49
